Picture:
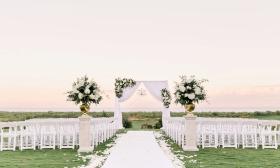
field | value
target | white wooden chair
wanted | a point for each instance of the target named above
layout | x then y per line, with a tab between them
67	136
8	137
27	137
249	136
268	137
47	136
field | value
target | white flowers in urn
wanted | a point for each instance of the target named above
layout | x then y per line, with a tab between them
166	97
189	91
121	84
85	93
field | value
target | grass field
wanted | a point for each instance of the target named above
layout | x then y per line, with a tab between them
40	159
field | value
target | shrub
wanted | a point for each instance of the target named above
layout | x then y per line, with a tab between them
146	126
126	123
158	125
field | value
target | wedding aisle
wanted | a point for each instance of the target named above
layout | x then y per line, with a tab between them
137	149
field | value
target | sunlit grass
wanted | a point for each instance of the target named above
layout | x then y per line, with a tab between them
40	159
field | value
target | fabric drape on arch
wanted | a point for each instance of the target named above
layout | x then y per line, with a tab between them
154	87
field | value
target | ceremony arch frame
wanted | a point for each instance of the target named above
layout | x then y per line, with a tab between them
153	87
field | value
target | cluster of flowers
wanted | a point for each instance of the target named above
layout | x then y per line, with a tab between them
189	90
121	84
166	97
85	92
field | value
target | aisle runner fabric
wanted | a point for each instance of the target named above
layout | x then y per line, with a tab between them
137	149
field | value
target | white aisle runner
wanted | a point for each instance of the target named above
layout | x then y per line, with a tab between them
137	149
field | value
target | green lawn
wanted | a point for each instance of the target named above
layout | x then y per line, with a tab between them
40	159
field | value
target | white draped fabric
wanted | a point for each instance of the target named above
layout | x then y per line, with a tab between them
128	92
154	87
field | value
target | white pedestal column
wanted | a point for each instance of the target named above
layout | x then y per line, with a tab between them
85	134
191	136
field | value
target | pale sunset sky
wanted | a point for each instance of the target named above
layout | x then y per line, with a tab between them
46	45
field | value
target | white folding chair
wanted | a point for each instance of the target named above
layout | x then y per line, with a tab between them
27	137
47	136
8	137
67	136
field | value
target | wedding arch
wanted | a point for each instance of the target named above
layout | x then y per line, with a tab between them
154	88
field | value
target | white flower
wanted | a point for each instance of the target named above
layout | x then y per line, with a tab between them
191	96
80	95
182	88
178	96
87	91
197	91
91	97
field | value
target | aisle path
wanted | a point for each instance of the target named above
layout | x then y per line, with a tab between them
137	149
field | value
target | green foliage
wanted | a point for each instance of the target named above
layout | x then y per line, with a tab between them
158	125
166	97
126	123
21	116
121	84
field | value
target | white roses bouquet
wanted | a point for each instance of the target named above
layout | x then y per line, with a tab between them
85	92
166	97
189	91
121	84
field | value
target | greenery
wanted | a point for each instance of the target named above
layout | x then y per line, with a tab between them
21	116
126	123
158	125
227	157
166	97
40	158
121	84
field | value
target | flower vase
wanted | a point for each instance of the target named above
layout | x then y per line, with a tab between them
84	109
189	109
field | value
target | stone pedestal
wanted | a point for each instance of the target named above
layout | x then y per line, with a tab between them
191	136
85	134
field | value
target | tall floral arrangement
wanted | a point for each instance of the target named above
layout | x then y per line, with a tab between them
189	90
166	97
121	84
85	92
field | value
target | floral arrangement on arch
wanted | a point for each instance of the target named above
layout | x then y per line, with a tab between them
121	84
166	97
85	92
189	90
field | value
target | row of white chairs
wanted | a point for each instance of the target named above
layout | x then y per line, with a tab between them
52	133
227	132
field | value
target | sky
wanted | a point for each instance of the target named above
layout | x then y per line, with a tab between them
46	45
